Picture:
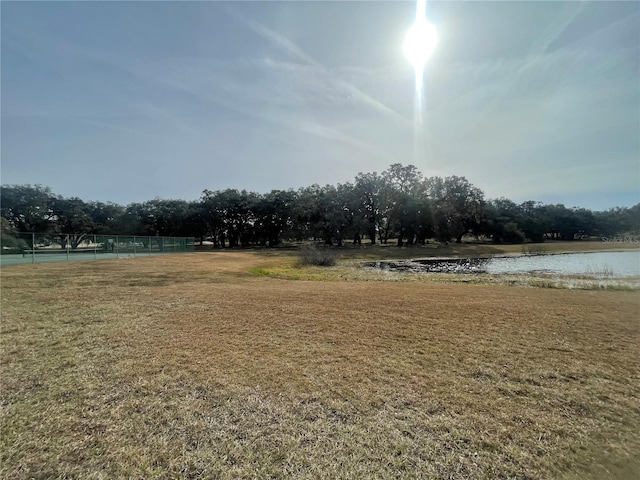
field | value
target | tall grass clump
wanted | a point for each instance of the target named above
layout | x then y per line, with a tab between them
317	256
604	271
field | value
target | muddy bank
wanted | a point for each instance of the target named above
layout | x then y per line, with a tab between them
433	265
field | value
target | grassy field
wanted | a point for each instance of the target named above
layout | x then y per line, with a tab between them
202	366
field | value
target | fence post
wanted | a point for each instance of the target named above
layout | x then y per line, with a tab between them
134	246
67	244
117	239
95	248
33	247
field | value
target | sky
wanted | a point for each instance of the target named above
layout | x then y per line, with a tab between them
128	101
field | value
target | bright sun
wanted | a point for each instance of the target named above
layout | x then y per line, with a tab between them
420	41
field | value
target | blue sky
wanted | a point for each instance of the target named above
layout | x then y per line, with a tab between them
127	101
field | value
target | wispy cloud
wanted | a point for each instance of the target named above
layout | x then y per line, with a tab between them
556	28
276	38
177	122
119	127
223	83
213	84
296	52
500	84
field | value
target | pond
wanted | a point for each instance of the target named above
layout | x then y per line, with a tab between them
597	264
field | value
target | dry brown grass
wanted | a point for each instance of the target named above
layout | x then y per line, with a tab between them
189	366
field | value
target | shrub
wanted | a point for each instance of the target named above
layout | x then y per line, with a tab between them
11	244
318	256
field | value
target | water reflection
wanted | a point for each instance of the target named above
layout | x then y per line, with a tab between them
598	264
459	265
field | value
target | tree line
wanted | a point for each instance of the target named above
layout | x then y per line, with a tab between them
399	205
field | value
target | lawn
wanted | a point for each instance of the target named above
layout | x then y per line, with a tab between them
199	366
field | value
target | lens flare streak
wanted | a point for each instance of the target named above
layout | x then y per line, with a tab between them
418	46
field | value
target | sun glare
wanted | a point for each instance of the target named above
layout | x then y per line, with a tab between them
420	42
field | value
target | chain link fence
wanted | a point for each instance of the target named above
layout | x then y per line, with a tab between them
19	248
